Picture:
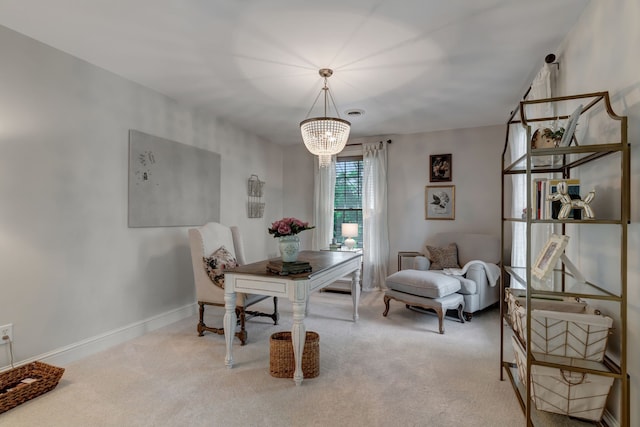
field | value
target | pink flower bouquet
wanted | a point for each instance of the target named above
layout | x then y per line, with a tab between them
288	227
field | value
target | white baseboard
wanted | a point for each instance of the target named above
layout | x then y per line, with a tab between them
76	351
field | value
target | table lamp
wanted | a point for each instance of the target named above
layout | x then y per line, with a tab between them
349	230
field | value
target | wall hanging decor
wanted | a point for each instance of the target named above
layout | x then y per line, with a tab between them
440	165
439	202
171	184
255	205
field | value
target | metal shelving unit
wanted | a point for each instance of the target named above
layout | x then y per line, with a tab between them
596	148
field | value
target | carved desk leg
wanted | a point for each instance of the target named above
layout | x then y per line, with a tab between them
229	325
355	293
298	337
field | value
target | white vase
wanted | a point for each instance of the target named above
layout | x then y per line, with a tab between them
289	248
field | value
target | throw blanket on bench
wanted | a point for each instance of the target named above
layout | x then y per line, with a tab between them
492	271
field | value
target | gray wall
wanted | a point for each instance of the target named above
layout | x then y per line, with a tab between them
71	269
601	54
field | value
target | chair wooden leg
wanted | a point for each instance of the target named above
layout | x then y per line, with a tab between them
203	327
242	335
201	324
241	315
440	314
276	315
386	304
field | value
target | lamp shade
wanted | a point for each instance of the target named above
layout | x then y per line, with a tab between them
349	230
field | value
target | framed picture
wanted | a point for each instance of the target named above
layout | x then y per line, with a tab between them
440	168
549	255
440	201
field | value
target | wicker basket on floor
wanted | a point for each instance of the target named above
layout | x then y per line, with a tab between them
13	392
282	364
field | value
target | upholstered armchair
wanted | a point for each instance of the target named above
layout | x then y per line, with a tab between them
215	247
473	259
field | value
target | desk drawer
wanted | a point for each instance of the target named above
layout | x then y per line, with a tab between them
262	287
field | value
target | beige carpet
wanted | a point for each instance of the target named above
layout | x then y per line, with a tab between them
394	371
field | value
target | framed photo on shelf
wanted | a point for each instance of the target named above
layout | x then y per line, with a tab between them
547	258
440	168
440	202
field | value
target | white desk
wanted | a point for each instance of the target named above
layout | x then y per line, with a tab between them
327	267
343	285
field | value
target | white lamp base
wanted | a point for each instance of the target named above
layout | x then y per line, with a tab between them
349	243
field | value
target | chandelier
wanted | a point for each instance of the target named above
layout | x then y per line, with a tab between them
325	136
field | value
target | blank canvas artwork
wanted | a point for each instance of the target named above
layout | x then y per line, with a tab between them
171	184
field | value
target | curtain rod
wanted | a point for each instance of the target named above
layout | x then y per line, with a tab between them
388	141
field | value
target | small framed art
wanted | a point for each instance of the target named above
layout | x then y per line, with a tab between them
439	202
440	168
549	255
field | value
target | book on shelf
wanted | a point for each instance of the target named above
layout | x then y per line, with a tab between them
282	268
537	194
548	209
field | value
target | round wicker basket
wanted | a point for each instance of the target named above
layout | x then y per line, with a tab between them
282	364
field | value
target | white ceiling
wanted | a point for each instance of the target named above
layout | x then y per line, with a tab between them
411	65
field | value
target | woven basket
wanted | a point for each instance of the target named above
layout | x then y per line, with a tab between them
13	392
282	364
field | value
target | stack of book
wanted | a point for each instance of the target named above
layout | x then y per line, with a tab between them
547	209
277	266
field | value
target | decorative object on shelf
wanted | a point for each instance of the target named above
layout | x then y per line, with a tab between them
349	230
569	203
255	205
546	138
440	168
549	255
287	229
439	202
325	136
571	127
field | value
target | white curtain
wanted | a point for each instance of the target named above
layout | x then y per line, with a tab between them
540	88
324	190
374	215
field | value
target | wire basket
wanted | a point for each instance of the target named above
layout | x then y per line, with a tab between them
255	209
25	382
254	188
282	362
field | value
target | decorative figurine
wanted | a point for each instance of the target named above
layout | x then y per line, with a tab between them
568	203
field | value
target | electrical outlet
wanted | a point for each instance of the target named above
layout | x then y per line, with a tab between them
6	330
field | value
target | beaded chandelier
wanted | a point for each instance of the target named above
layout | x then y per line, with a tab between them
325	136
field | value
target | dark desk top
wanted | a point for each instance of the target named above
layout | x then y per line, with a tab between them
319	260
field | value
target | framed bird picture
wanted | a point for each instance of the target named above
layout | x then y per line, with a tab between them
440	202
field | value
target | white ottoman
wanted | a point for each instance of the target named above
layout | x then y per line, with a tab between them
427	290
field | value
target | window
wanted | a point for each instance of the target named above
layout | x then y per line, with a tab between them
348	197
